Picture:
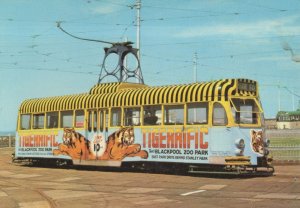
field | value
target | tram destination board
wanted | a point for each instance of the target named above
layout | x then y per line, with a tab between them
245	85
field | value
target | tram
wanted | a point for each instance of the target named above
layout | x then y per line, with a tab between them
204	127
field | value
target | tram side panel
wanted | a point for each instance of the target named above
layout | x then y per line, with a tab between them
197	145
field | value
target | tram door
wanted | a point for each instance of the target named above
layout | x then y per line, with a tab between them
220	133
97	131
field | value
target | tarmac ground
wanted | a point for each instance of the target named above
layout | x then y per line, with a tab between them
43	187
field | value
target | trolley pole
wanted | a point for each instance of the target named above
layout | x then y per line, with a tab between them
195	80
138	33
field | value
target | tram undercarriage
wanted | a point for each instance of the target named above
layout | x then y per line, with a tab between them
236	167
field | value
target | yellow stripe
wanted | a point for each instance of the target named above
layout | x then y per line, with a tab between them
122	98
168	92
153	96
141	96
48	104
179	94
232	88
24	106
117	100
191	89
224	88
185	93
30	106
127	100
196	92
210	91
218	85
135	96
161	94
43	103
131	98
205	92
175	93
146	97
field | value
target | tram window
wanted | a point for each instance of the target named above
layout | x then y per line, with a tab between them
95	121
219	115
66	119
52	120
132	116
25	121
90	121
174	115
106	119
115	119
152	115
197	113
38	121
101	116
79	119
245	111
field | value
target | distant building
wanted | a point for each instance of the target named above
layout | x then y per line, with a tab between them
288	119
270	123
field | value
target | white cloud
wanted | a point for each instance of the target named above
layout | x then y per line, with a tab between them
105	9
272	58
282	26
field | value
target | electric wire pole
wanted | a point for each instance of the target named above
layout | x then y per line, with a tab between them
138	31
195	61
279	102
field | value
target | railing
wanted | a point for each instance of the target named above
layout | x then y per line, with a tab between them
7	141
285	152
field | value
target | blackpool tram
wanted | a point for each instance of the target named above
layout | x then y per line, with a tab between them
203	126
214	126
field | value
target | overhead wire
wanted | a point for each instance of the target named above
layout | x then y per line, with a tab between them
211	57
291	92
264	7
50	69
224	40
126	29
182	9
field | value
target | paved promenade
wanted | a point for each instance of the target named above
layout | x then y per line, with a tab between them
30	187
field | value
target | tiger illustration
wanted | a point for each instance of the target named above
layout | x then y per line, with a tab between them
257	141
120	144
74	144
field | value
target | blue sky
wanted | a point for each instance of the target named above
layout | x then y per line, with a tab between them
232	38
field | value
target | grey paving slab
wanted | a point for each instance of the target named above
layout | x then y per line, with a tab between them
64	194
35	204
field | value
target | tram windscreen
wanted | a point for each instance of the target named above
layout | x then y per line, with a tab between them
245	111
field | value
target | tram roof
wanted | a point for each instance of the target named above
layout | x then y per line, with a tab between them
131	94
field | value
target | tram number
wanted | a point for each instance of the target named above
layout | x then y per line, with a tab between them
188	152
97	147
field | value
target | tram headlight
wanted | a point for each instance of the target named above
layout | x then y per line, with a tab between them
266	152
240	143
239	152
267	143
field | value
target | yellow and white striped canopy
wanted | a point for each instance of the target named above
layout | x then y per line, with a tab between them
130	94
